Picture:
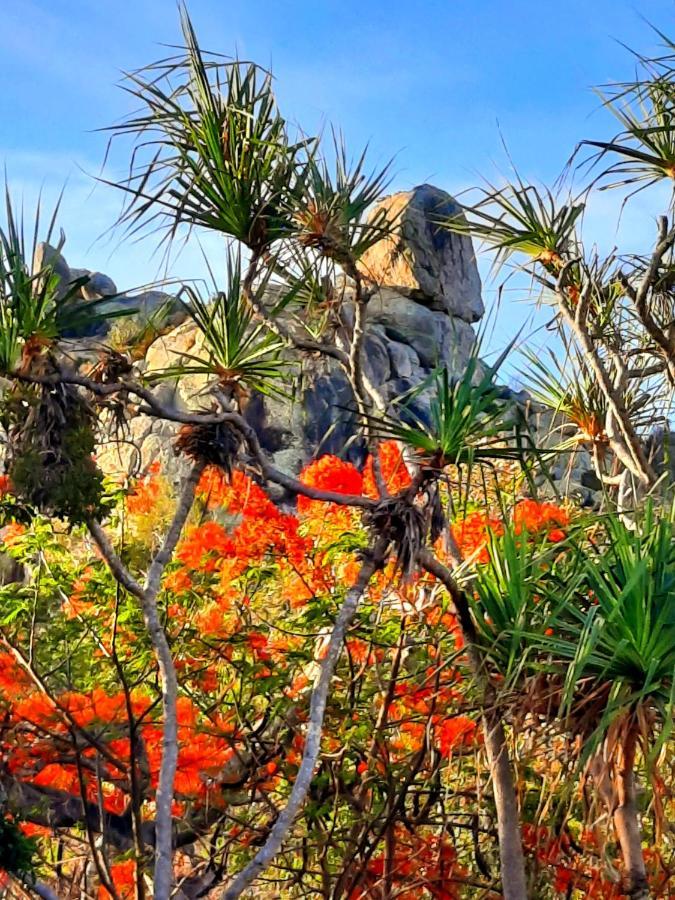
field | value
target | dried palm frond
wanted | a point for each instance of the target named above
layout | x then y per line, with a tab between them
215	444
404	525
50	446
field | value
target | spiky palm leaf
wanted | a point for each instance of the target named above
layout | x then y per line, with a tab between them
239	350
521	218
618	627
36	310
646	146
465	423
211	148
570	391
509	615
329	209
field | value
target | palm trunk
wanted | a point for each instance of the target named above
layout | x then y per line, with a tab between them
164	795
373	561
626	821
512	861
511	858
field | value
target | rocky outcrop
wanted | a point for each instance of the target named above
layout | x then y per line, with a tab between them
90	286
421	316
418	257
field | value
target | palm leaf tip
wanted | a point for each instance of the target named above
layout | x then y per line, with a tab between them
521	218
239	351
452	421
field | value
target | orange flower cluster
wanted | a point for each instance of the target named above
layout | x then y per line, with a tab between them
10	534
472	535
328	473
262	530
42	730
534	517
422	865
530	517
13	680
570	871
143	498
205	546
240	495
454	733
123	875
394	470
5	485
437	700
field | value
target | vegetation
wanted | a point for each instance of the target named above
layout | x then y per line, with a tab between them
423	678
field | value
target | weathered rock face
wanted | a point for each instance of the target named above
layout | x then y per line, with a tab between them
430	263
46	255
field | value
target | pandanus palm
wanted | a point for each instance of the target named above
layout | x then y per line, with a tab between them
49	428
465	427
614	640
36	309
212	150
239	355
522	218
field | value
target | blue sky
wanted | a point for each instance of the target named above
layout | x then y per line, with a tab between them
434	83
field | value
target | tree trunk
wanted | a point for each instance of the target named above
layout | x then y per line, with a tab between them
626	821
164	795
512	861
372	562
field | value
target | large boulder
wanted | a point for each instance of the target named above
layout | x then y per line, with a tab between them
98	286
418	319
436	338
47	256
419	256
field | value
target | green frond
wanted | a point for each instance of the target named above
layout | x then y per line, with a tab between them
510	606
329	208
570	391
239	350
465	422
34	305
616	631
646	145
521	218
211	149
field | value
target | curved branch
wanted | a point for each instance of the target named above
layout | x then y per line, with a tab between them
277	835
163	876
171	414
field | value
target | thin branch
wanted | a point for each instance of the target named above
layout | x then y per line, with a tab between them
277	835
163	875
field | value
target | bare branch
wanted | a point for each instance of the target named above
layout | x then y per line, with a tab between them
277	835
163	876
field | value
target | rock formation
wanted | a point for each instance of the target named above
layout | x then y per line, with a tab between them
419	259
422	316
419	318
95	286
